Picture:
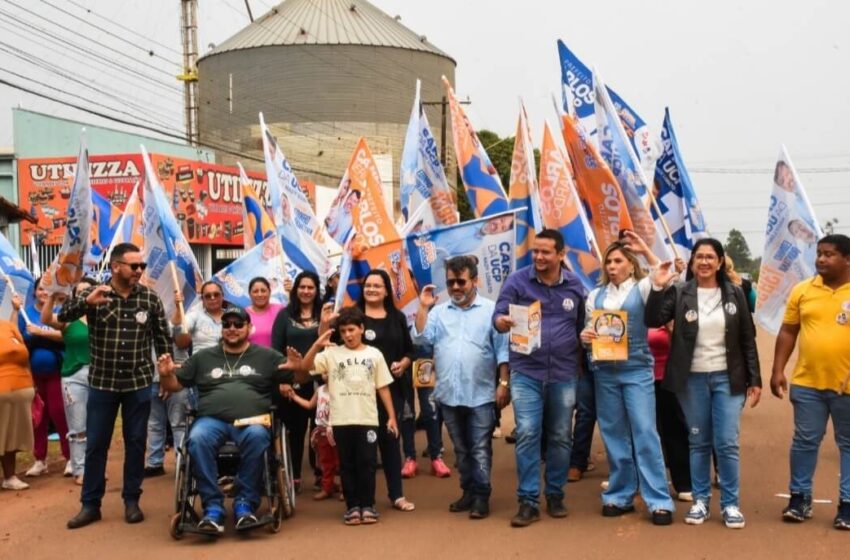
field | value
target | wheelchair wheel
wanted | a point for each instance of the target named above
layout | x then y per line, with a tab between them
283	476
278	509
180	490
176	526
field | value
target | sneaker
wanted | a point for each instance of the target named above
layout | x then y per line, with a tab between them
799	508
158	470
733	518
480	508
555	506
698	514
497	432
244	515
526	515
37	469
440	469
409	469
685	496
842	519
212	522
69	469
463	504
14	483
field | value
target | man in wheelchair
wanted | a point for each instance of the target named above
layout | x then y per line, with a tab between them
235	382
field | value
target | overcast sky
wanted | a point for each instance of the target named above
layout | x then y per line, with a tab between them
740	77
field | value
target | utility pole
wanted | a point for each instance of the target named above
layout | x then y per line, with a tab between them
444	103
189	77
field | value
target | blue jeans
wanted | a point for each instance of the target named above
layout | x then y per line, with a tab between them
471	430
75	391
171	410
812	409
430	414
585	421
713	416
537	403
208	434
625	408
101	412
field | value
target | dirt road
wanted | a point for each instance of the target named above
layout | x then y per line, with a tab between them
32	523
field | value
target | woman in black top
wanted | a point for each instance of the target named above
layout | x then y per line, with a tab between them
297	325
386	330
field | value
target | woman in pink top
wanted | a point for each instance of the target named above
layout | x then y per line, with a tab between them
670	419
262	312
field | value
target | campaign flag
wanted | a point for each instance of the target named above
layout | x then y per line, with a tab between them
561	210
15	278
615	148
36	265
166	251
300	231
524	196
266	259
257	223
106	218
790	245
131	229
597	187
67	268
480	178
675	195
492	240
577	79
422	179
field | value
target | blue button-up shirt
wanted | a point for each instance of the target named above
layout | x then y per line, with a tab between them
467	351
562	309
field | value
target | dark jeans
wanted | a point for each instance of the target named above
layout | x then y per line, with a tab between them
101	412
429	412
585	421
674	437
358	451
296	420
390	446
471	430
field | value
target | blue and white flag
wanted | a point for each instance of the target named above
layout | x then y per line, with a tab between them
676	197
790	245
422	179
166	251
15	278
265	259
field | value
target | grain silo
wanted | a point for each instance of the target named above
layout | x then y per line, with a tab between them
323	72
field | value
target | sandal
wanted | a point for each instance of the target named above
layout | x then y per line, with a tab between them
352	517
402	504
369	515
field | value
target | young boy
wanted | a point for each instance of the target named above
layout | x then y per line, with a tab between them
354	372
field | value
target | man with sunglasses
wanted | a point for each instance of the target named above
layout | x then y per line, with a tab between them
467	353
126	320
235	381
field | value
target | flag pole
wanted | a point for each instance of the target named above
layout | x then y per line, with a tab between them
112	243
181	310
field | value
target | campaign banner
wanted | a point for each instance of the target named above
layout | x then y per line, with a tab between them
266	259
675	195
257	222
106	218
524	196
561	210
171	263
604	205
481	180
790	246
15	278
388	256
615	148
491	240
423	181
68	266
207	201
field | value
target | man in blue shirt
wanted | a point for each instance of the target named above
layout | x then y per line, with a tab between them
543	383
467	353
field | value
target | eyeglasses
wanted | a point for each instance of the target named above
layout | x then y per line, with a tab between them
232	324
134	266
459	282
212	295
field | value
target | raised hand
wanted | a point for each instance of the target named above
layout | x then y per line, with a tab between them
427	297
664	274
100	295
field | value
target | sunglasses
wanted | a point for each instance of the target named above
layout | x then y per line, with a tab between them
232	324
134	266
212	295
459	282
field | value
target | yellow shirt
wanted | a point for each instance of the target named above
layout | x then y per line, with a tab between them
353	378
824	318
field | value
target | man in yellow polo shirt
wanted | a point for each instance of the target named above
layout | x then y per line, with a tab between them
818	311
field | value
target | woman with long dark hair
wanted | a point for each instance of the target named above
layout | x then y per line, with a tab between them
713	367
297	326
387	330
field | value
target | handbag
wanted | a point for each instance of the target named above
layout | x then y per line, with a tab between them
37	411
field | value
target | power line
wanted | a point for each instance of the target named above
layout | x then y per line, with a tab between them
764	170
125	28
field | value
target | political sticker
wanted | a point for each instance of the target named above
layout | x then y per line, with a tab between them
691	315
141	317
369	335
371	436
568	304
841	319
731	308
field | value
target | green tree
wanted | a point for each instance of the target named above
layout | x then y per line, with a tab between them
739	251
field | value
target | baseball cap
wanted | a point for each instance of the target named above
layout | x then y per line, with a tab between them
236	312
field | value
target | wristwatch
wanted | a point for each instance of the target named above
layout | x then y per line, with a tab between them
504	383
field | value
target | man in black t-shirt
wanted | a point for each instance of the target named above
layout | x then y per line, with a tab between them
235	381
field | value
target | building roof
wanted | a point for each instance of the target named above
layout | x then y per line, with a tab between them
327	22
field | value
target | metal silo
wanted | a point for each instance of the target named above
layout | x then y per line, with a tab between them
323	72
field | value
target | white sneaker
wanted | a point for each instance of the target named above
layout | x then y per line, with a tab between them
733	518
698	514
69	470
14	483
37	469
685	497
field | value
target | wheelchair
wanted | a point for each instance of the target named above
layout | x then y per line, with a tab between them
278	488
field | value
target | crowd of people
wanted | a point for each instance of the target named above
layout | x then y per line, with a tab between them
671	400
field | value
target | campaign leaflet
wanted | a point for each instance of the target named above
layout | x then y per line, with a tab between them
525	332
611	342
